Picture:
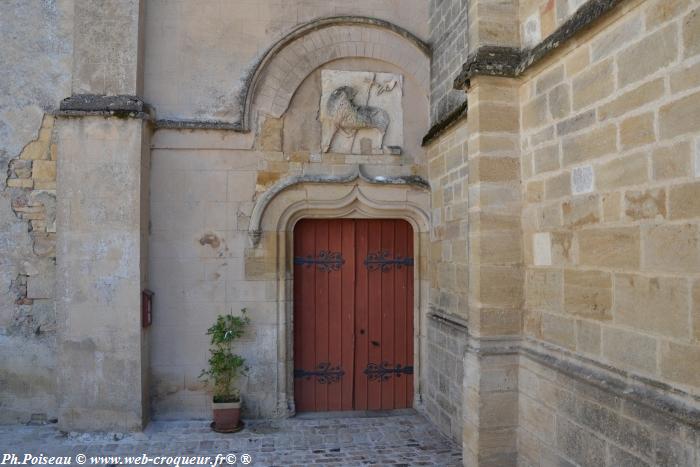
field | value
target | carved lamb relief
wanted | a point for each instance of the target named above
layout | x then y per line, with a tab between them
361	112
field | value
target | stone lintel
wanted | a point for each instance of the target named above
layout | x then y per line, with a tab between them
102	103
357	172
512	61
201	125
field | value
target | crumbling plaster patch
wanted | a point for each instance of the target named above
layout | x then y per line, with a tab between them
35	75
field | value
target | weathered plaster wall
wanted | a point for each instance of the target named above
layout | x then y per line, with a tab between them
36	55
197	53
203	188
100	272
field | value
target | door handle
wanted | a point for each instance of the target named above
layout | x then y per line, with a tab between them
362	331
375	343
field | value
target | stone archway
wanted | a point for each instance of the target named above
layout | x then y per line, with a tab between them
273	79
357	199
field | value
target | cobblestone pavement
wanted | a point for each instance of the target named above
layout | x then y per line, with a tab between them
404	439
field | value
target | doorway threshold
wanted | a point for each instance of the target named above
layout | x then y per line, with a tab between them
355	414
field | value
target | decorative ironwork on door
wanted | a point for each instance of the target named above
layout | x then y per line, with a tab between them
326	260
324	373
384	371
383	261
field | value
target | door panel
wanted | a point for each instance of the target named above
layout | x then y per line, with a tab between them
353	314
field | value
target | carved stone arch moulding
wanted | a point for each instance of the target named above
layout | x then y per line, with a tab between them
273	79
356	173
354	195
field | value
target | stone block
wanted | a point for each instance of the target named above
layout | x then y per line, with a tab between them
588	337
593	84
653	52
681	363
595	143
494	117
582	180
633	99
612	206
581	210
625	171
621	33
691	33
271	134
537	419
682	257
685	78
612	425
684	201
20	183
534	191
549	216
20	168
557	186
559	330
656	304
629	349
494	169
580	445
44	171
637	131
532	323
610	247
542	249
695	309
646	204
577	60
680	116
543	289
562	248
560	101
546	158
534	113
498	285
588	294
545	135
660	11
576	123
671	161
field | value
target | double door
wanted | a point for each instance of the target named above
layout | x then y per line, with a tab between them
353	314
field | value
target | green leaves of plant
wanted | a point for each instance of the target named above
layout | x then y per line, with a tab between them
224	365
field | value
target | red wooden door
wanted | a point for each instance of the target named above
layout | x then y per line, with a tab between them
353	314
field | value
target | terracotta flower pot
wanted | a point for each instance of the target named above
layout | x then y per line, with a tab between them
227	415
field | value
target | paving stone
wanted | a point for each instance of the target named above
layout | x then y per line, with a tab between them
403	439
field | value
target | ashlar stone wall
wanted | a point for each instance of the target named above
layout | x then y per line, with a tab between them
611	222
448	39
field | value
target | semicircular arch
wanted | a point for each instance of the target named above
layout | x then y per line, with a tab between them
273	80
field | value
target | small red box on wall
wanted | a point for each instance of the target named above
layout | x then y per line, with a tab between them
146	308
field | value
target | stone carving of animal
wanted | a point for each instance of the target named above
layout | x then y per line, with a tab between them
343	114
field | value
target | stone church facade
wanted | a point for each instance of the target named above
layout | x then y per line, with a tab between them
544	153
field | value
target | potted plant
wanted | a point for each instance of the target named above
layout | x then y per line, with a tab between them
224	368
